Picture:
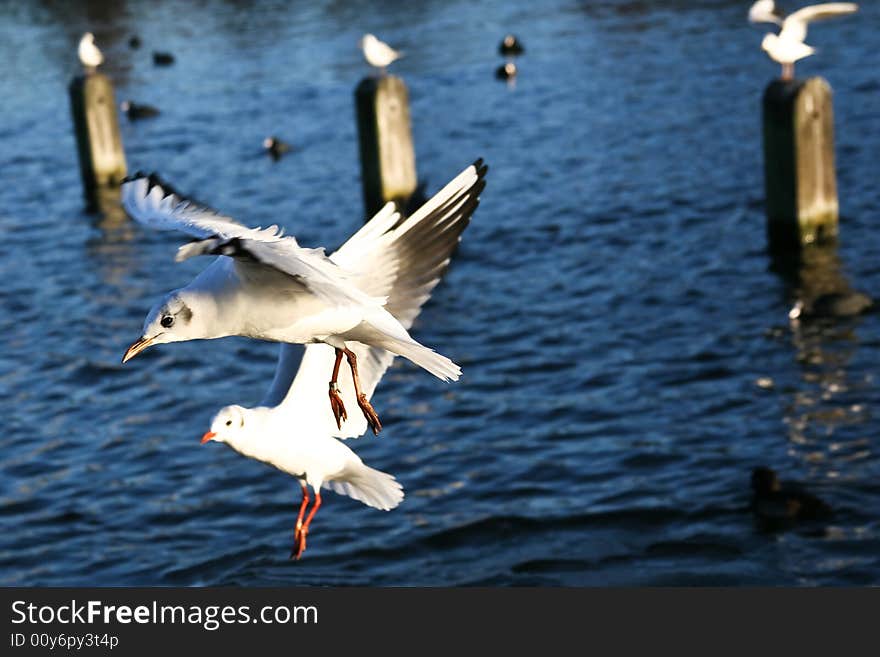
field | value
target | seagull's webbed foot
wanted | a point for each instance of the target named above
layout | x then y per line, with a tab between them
336	405
370	413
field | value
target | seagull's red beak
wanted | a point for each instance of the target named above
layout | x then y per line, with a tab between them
208	437
137	347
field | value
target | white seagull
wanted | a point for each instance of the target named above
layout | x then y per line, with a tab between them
788	46
264	285
89	54
378	53
289	430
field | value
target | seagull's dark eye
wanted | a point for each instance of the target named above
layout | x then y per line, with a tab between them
167	321
228	423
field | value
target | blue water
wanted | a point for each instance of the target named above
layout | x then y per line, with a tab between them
612	304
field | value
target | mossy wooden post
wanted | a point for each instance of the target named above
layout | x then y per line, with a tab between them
101	158
388	160
800	184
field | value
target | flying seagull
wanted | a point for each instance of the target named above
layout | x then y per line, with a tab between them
89	54
264	285
788	46
287	430
378	53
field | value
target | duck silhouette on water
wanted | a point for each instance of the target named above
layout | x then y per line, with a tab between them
506	71
510	46
275	147
135	111
162	58
778	504
833	305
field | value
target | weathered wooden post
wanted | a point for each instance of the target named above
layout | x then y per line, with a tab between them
101	158
800	184
388	160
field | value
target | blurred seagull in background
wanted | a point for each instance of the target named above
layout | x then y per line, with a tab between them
89	54
765	11
788	46
378	53
265	286
290	429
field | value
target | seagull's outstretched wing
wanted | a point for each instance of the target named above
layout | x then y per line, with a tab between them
151	201
259	253
403	260
794	26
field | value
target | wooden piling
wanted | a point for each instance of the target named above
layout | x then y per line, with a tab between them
800	183
388	160
95	120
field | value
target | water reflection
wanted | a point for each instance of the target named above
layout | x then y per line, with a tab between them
826	413
113	249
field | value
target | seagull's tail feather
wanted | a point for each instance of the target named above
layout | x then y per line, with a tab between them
380	329
428	359
372	487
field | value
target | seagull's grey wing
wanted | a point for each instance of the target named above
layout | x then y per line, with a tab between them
794	26
260	254
258	261
403	260
406	260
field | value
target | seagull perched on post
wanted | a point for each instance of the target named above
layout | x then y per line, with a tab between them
264	285
788	46
378	53
289	430
89	54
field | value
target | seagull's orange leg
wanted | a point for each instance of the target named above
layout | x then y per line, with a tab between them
335	399
300	545
788	71
299	518
365	405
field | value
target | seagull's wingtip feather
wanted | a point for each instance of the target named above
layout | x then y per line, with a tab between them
135	176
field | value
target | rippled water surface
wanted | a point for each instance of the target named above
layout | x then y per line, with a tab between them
612	305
